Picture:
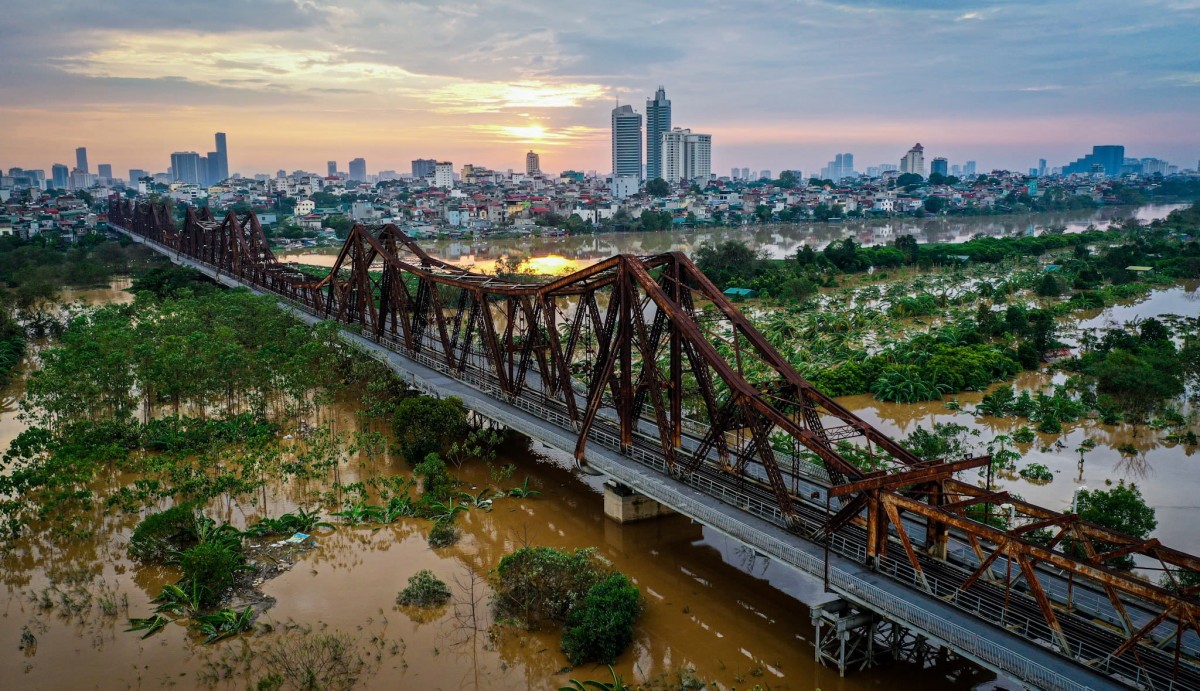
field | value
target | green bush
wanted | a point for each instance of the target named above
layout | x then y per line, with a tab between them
534	584
435	478
443	533
601	627
210	566
425	425
1036	472
159	535
424	590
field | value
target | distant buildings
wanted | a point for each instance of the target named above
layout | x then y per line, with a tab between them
136	174
626	142
104	170
331	169
60	176
221	169
81	162
914	161
358	170
939	166
533	164
842	166
185	167
443	174
658	123
423	168
969	168
1103	159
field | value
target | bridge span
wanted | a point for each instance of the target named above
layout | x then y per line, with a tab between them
640	368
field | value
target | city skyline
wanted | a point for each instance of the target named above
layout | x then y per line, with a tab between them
1005	84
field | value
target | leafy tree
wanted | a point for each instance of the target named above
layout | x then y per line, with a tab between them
1122	509
424	425
788	179
658	188
600	628
908	179
341	225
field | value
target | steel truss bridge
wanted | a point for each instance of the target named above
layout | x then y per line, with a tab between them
644	357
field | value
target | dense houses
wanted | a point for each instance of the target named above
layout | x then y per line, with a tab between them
481	201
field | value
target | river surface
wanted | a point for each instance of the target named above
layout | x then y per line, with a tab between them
560	255
715	611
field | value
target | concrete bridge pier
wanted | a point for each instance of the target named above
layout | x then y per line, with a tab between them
623	505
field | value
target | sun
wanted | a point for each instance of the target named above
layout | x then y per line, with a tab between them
530	133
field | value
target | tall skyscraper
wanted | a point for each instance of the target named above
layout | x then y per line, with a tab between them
222	167
136	174
358	170
533	164
940	166
626	142
212	169
423	167
60	176
185	167
745	173
331	169
104	170
658	121
735	174
842	166
969	168
1041	167
81	159
914	161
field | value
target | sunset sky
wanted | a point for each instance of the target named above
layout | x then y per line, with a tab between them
779	84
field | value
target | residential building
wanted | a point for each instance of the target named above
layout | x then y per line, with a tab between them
331	169
423	168
745	173
533	165
1042	167
626	142
443	175
185	167
842	166
686	155
969	168
735	173
914	161
939	166
358	170
658	122
81	159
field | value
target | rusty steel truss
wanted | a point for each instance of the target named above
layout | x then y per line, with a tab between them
649	349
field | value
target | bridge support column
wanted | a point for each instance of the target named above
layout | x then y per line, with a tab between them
623	505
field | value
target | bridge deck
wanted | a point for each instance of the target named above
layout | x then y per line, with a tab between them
971	637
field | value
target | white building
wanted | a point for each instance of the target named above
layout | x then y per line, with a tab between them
686	155
443	175
305	207
914	161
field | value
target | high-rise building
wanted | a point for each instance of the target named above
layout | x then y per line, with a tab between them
734	175
81	159
136	174
443	174
185	167
331	169
358	170
1110	158
222	168
940	166
533	164
658	121
745	173
914	161
105	172
842	166
60	176
212	169
686	155
626	142
969	168
423	168
1041	167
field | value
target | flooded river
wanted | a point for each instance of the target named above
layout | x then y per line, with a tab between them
560	255
715	611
